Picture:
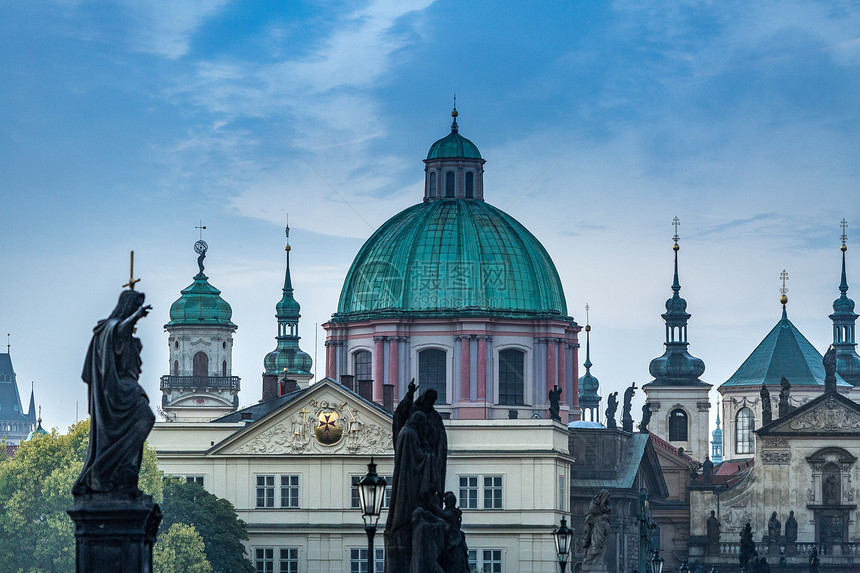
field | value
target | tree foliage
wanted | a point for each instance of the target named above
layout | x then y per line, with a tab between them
36	533
180	549
214	519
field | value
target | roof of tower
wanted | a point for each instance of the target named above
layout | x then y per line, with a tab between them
717	434
288	359
588	384
676	367
10	401
453	145
200	303
783	352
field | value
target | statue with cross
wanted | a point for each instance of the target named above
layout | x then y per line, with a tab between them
119	408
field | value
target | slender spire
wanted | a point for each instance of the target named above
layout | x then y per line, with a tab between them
587	363
288	281
454	127
31	411
844	318
676	285
843	286
783	292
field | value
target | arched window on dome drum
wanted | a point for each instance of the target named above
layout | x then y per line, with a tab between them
176	367
449	184
431	373
201	364
470	185
511	377
431	192
744	425
677	425
362	365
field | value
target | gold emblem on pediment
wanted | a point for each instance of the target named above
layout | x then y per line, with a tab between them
328	430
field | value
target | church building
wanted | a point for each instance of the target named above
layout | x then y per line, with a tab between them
15	424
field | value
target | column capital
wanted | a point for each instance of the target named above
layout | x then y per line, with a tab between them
380	338
485	337
462	337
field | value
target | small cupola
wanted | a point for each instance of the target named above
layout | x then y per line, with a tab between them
454	168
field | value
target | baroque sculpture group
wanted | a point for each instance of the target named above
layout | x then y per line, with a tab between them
422	534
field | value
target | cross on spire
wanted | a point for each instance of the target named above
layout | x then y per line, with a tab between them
844	237
784	277
131	280
287	231
675	223
8	344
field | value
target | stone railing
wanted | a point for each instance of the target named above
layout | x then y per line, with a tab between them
733	549
200	382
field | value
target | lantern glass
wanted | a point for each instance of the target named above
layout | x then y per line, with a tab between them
371	493
657	563
563	536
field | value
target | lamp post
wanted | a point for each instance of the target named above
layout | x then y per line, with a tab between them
684	568
563	536
371	493
657	562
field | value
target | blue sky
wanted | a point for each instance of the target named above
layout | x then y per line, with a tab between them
124	123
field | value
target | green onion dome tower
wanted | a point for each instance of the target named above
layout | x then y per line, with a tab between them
589	399
844	319
287	362
200	386
429	293
678	398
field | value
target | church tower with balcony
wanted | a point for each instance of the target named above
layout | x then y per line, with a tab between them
200	386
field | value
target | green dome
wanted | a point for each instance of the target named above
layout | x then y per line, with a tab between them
200	303
453	145
37	431
289	360
441	257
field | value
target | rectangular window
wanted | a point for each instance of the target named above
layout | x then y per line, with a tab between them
492	492
511	377
358	560
485	560
265	491
362	366
289	491
468	492
289	560
195	479
561	493
354	503
264	559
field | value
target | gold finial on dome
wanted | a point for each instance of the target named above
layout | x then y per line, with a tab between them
454	114
844	237
783	297
287	231
587	322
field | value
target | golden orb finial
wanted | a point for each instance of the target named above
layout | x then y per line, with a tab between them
587	328
783	299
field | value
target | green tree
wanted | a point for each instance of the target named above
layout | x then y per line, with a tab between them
214	519
180	550
36	533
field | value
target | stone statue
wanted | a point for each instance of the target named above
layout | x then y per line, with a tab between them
626	418
813	560
708	471
829	490
784	394
747	546
790	529
415	528
119	408
596	529
766	411
554	396
455	557
774	528
646	418
611	408
830	370
713	525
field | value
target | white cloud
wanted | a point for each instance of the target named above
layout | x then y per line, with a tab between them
165	27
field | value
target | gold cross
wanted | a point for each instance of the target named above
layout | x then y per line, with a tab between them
844	225
784	276
131	279
675	223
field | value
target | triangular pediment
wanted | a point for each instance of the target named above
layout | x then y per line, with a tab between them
829	414
325	418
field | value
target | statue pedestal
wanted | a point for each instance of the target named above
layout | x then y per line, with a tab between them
114	535
597	567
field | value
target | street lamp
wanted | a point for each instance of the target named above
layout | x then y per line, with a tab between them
371	493
684	568
657	562
562	535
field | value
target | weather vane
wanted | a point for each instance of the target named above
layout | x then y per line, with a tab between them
200	247
783	298
131	280
844	237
